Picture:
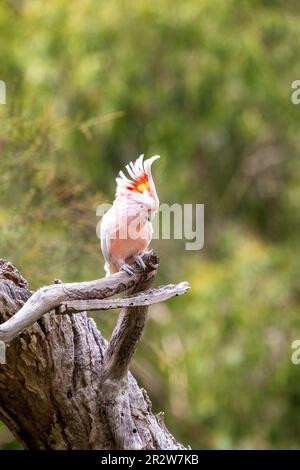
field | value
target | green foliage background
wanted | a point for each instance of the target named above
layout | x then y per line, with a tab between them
207	85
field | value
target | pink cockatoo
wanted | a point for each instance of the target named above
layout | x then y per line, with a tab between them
126	229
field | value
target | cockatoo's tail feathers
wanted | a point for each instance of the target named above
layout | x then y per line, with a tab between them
140	174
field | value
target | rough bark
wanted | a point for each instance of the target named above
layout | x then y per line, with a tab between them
63	386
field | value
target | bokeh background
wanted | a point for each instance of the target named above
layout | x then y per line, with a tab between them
207	85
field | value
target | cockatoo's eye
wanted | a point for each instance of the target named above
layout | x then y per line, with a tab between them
141	206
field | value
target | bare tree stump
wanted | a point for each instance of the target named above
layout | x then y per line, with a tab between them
63	385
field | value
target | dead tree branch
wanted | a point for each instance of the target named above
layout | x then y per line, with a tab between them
50	297
63	386
147	297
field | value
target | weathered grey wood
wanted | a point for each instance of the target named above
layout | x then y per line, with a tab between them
59	388
148	297
116	360
50	297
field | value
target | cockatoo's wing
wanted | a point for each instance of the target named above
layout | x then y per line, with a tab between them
105	231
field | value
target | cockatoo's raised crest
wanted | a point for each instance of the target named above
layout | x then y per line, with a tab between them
141	182
126	229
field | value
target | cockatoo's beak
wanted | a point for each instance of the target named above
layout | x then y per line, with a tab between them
151	216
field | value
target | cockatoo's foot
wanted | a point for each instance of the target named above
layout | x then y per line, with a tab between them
127	269
140	262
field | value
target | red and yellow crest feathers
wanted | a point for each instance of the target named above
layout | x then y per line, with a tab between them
140	185
141	179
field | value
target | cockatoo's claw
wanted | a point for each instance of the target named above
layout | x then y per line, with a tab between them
148	252
140	262
127	269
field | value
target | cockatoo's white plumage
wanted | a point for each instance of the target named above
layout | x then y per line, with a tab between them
126	230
